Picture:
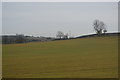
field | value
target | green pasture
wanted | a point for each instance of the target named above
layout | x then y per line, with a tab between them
95	57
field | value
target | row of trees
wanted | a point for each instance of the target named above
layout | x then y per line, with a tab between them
99	27
13	39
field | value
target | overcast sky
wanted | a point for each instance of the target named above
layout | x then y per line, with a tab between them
46	18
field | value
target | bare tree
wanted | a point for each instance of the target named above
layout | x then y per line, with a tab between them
99	27
60	34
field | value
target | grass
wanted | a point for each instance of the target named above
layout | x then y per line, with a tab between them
95	57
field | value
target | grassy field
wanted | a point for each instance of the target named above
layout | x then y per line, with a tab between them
95	57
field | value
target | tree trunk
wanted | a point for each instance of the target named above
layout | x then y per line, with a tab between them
99	32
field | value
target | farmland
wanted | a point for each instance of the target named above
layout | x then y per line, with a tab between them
95	57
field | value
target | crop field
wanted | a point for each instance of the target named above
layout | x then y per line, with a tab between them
95	57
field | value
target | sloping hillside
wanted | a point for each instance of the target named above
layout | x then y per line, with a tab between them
95	57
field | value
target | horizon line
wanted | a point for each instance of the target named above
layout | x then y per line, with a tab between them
55	36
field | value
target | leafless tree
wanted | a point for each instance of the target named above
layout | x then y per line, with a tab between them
60	34
99	27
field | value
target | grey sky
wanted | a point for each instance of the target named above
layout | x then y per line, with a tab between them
46	18
0	18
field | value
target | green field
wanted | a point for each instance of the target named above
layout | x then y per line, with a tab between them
95	57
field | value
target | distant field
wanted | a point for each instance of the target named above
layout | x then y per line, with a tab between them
95	57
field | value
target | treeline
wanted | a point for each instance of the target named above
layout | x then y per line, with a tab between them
11	39
99	27
19	38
